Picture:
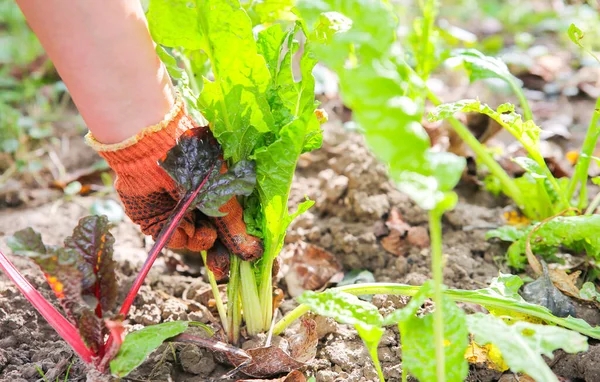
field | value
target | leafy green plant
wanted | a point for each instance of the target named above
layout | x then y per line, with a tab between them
258	111
509	313
356	40
576	233
550	197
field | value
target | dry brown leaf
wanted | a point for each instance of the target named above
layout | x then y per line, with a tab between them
311	268
273	360
294	376
402	235
564	282
516	378
303	345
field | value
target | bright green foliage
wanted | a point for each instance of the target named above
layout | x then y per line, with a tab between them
382	93
537	189
479	66
523	344
576	35
268	11
577	233
417	335
183	83
501	298
526	132
343	307
418	351
234	103
257	109
138	345
174	24
548	197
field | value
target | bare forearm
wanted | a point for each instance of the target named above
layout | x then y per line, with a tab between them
105	55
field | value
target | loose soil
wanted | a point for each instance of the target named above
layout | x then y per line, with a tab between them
354	200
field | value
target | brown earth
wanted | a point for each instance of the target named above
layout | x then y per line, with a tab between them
354	199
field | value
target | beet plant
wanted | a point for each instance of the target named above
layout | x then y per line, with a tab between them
258	111
82	272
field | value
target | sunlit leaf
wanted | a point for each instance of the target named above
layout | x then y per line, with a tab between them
418	345
139	344
523	344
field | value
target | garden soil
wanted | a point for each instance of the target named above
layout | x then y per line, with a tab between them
359	218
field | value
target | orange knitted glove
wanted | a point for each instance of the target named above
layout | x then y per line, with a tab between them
150	195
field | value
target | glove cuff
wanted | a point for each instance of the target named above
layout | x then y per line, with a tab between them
149	145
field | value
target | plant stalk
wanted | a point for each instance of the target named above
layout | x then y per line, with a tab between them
216	294
469	296
161	241
527	114
266	293
437	267
62	326
593	205
234	319
372	347
508	185
585	156
253	314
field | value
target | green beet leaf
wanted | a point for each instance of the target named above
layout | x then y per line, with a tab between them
349	309
173	23
138	345
527	132
343	307
235	101
506	233
418	344
268	11
355	39
275	166
479	66
577	233
523	344
549	191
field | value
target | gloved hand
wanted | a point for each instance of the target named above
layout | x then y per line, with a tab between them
149	194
